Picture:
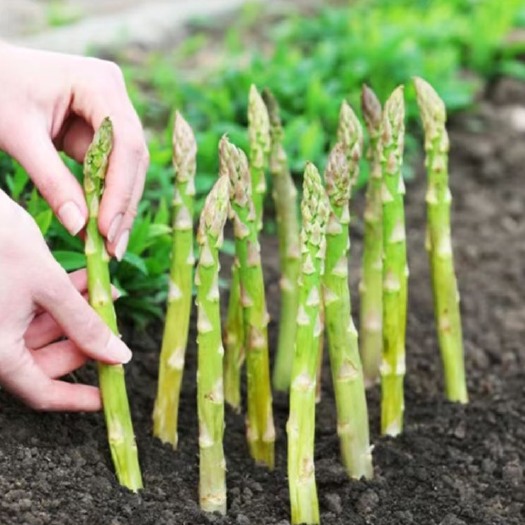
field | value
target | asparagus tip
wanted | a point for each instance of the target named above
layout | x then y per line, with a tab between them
184	146
337	176
371	108
215	210
97	155
349	131
431	106
314	206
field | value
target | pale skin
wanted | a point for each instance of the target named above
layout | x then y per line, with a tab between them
52	102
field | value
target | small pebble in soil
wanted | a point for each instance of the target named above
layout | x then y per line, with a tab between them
451	519
513	473
242	520
367	502
333	503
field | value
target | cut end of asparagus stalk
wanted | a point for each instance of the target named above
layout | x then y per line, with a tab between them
184	149
371	108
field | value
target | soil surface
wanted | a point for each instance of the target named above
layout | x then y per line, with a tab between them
453	465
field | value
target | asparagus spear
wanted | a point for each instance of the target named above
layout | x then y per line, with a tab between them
347	373
301	422
234	342
395	270
285	198
439	245
371	286
260	427
111	377
175	338
259	135
210	396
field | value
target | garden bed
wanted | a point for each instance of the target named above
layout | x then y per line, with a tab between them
453	465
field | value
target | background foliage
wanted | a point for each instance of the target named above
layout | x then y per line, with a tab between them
311	61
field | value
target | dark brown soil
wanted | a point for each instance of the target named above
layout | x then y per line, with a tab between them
454	465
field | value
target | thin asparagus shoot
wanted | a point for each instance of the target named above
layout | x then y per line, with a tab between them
259	135
439	242
301	422
234	342
111	377
347	373
260	427
176	327
395	269
284	195
371	285
210	396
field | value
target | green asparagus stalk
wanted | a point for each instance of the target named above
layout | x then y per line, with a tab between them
234	343
175	338
111	377
347	373
210	396
285	198
260	427
395	269
371	285
259	135
301	422
439	243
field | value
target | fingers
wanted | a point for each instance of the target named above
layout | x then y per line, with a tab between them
76	138
43	328
129	158
59	359
79	322
54	181
27	381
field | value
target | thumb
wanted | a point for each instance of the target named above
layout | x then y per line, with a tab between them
80	323
55	182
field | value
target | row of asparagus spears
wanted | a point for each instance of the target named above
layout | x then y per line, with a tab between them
315	297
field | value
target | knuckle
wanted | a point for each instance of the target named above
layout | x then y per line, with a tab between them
44	402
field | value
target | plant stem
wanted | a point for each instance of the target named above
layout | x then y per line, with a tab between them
395	269
259	135
439	242
347	373
260	428
210	395
285	198
234	342
176	327
371	285
301	422
111	377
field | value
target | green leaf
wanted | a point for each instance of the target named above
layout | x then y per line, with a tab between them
70	261
135	261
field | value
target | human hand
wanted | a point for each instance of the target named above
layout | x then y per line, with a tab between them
51	101
39	306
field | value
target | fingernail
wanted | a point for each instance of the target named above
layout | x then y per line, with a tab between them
71	217
122	244
118	351
114	227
